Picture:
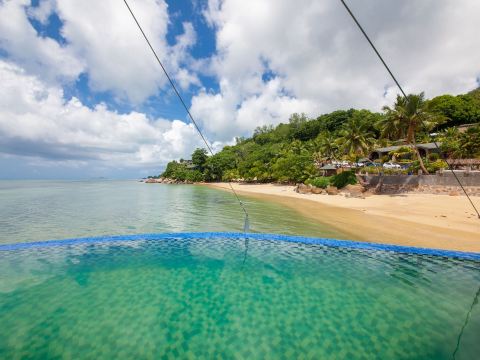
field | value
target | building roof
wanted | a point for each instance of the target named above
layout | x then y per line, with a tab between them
388	148
427	146
328	167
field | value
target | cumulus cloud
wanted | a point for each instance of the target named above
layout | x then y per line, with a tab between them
272	58
101	39
36	121
39	55
104	34
226	114
318	61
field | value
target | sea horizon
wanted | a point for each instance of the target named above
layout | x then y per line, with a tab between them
35	210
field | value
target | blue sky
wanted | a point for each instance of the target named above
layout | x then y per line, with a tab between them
82	97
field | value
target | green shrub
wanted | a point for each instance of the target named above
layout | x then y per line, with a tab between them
375	170
385	158
321	182
405	153
434	166
394	171
343	179
230	175
194	176
433	157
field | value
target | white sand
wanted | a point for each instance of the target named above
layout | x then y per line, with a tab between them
422	220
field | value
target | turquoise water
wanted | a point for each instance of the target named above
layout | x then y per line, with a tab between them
44	210
208	298
192	297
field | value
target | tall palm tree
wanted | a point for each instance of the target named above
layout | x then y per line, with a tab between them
355	137
408	115
390	126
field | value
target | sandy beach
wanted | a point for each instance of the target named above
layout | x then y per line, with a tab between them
420	220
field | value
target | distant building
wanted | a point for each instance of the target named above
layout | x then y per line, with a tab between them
465	127
328	170
423	149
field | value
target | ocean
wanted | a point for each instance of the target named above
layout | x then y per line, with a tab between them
33	210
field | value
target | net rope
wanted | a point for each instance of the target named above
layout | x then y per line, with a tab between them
246	224
406	99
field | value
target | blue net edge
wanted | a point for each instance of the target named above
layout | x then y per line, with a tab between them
257	236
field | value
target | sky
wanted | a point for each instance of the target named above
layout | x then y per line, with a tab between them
82	97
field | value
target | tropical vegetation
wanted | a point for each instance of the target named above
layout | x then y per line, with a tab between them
293	152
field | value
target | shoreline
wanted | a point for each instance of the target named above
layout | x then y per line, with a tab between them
415	220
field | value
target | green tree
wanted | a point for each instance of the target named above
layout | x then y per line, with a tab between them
333	122
412	114
457	110
461	145
355	137
217	164
326	147
199	159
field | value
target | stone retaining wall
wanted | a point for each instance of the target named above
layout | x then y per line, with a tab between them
441	183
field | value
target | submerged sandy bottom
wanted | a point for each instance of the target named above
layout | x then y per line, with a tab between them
227	297
421	220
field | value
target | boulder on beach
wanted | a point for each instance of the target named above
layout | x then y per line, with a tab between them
317	190
331	190
303	189
356	190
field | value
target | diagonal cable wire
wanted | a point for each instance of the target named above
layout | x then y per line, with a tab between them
406	98
246	223
465	323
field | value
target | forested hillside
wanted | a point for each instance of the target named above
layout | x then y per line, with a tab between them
291	152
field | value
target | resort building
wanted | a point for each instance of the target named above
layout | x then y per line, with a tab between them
328	170
423	149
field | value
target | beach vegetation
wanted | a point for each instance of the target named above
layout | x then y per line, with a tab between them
343	179
199	159
462	145
410	115
401	154
320	182
294	152
180	171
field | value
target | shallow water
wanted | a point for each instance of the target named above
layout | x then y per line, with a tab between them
209	298
43	210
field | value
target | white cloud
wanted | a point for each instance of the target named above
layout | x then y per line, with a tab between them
117	57
226	114
39	55
273	58
42	12
36	121
322	62
103	40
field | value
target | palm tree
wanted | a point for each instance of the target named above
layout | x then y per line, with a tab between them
325	147
355	137
408	115
390	126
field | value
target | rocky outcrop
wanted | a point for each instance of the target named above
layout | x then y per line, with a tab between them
317	190
163	180
308	189
356	191
332	190
303	189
